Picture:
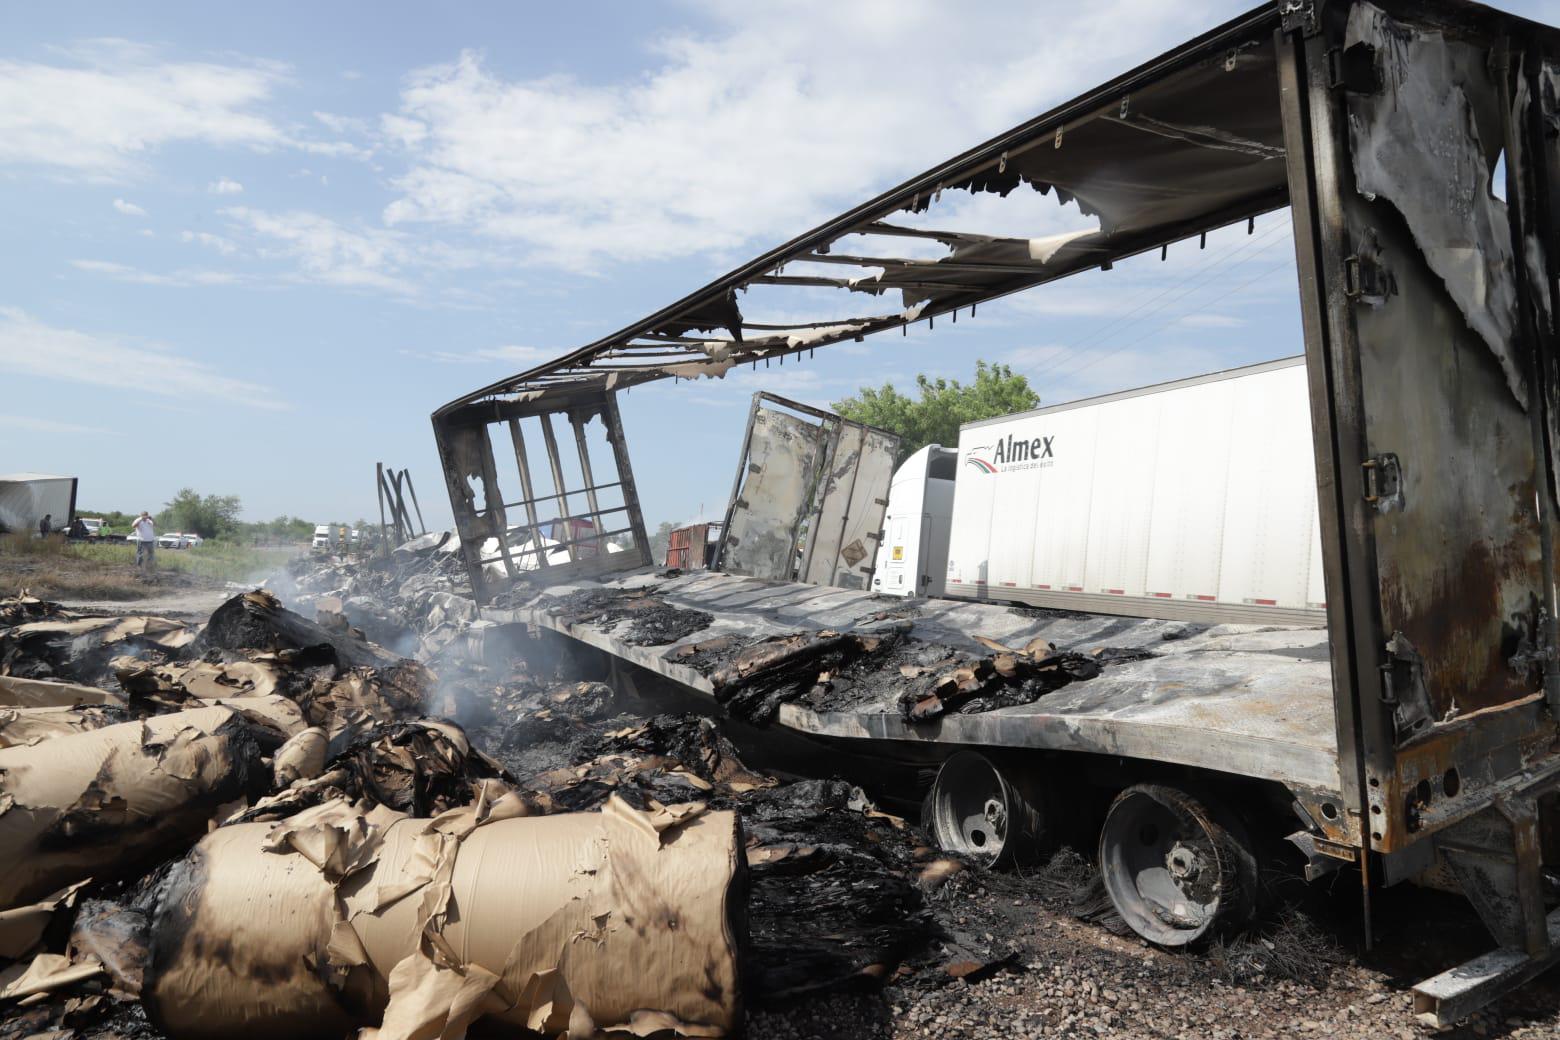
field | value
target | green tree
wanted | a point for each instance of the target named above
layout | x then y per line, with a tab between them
944	406
658	543
283	529
210	516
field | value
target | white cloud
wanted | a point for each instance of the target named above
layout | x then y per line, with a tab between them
52	426
129	209
750	131
225	186
30	347
178	279
114	102
206	238
328	252
107	105
338	124
508	355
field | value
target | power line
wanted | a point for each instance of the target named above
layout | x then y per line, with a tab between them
1132	343
1200	275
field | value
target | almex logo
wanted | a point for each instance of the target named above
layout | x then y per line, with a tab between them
1010	454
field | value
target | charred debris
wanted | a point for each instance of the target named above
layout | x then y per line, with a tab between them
268	822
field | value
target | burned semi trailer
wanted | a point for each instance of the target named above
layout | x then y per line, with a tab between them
1415	736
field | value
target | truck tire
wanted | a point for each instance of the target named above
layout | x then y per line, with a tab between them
989	814
1178	868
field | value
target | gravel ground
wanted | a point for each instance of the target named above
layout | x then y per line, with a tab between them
1079	980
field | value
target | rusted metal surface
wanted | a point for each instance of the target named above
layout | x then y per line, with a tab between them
1424	357
553	539
809	496
852	498
776	477
687	547
394	487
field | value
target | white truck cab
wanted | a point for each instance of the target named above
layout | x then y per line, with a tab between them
912	558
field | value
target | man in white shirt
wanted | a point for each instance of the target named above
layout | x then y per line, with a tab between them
145	543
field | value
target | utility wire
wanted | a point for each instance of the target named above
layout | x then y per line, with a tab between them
1180	288
1132	343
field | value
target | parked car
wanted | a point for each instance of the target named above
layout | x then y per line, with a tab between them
179	540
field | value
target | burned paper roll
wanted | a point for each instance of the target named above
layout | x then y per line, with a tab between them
301	758
572	924
23	726
48	693
104	803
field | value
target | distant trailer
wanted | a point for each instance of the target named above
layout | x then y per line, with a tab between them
26	498
692	548
912	558
1193	500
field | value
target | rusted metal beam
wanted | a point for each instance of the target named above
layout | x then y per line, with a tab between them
590	490
379	486
556	463
494	500
422	527
865	284
528	496
976	267
614	423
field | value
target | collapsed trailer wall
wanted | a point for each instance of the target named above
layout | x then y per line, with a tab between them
808	497
569	511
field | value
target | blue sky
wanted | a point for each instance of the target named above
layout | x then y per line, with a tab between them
249	249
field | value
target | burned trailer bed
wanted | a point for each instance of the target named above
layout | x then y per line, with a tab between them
1414	143
1250	700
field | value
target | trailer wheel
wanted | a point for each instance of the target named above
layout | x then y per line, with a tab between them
978	811
1177	869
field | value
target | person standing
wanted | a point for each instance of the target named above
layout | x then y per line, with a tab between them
45	524
145	544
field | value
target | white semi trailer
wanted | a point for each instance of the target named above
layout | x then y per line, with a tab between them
1191	500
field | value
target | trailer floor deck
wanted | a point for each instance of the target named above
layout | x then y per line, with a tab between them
1254	700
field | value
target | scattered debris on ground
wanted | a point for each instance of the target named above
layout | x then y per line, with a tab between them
275	820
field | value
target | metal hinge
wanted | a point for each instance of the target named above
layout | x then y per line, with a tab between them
1354	69
1403	688
1383	489
1535	654
1298	16
1366	279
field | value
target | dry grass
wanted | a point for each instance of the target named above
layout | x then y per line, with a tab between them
56	569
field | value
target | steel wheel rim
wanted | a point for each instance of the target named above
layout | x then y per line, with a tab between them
1163	869
972	807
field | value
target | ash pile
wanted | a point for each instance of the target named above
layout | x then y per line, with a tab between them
276	824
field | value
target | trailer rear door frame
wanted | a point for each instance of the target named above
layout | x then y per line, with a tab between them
1430	344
